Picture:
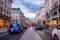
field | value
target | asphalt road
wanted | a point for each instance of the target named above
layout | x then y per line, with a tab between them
12	36
44	34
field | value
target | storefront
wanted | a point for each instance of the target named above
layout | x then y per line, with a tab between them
9	21
1	23
59	21
54	22
4	21
46	23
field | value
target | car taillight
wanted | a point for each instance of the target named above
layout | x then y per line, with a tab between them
16	28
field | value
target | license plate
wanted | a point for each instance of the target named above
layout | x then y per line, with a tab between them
11	29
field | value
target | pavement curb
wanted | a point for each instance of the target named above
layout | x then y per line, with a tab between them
3	30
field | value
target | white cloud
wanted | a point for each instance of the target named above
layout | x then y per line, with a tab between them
14	5
36	2
30	15
24	9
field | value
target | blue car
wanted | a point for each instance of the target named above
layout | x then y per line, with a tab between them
15	28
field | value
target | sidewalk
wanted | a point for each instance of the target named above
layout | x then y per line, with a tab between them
3	30
30	34
48	30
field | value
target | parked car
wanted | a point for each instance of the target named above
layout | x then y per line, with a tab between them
56	33
39	27
24	27
15	28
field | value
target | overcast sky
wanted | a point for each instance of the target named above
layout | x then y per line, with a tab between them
29	7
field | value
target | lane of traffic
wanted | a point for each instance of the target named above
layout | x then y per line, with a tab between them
12	36
43	33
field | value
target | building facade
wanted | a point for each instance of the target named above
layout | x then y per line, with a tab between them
41	16
5	15
50	13
36	18
17	15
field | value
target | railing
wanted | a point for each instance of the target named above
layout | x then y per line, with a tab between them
57	5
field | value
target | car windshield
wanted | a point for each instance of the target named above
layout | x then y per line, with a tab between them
13	25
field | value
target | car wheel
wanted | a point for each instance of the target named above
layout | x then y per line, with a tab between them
56	37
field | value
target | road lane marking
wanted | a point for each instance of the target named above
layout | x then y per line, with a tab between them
4	34
30	34
47	31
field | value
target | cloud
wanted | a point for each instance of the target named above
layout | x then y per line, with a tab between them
28	7
31	16
36	2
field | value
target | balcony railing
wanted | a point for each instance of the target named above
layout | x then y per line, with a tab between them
55	6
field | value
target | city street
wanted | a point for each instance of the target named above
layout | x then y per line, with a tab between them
30	19
45	34
11	36
30	34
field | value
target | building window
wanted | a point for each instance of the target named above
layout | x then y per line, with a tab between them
47	15
13	15
5	5
55	13
59	0
1	3
51	14
5	1
59	11
52	1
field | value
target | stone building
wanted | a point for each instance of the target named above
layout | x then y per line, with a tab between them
5	15
17	15
36	18
50	13
41	16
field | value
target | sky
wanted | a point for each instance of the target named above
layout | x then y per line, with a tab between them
29	7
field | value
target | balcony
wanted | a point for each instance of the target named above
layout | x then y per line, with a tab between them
55	6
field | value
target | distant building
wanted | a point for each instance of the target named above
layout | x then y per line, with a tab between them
37	18
41	16
17	15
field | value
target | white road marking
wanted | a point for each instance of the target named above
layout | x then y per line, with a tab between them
47	31
4	34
